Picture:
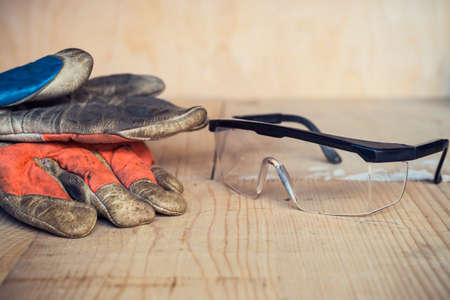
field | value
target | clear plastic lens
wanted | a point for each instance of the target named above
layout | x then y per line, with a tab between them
353	187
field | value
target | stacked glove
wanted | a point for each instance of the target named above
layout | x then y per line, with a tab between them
71	146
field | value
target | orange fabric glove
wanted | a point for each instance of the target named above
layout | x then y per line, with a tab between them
60	187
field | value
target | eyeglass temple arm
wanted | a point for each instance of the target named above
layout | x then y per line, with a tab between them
331	155
431	148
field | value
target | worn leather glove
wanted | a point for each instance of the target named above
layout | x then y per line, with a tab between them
47	101
52	100
58	187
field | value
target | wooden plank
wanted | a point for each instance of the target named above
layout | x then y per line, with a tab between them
228	49
228	246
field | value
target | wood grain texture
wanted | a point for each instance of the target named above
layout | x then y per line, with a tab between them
16	238
231	247
234	49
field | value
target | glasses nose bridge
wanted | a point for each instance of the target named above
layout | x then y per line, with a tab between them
282	174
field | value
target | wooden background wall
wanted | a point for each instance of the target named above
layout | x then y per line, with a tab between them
241	49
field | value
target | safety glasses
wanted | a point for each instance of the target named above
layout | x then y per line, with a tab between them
252	152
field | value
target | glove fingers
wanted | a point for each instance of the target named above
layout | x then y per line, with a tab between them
134	173
21	175
163	119
167	180
98	186
125	85
58	216
164	202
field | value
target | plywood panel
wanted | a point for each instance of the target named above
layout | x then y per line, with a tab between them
247	49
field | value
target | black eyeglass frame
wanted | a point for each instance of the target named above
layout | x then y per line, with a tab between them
369	151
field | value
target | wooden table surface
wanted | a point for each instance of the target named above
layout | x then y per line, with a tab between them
227	246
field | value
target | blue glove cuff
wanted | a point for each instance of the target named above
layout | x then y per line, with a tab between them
21	82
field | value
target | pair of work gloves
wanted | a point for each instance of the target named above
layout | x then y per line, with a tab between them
72	148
